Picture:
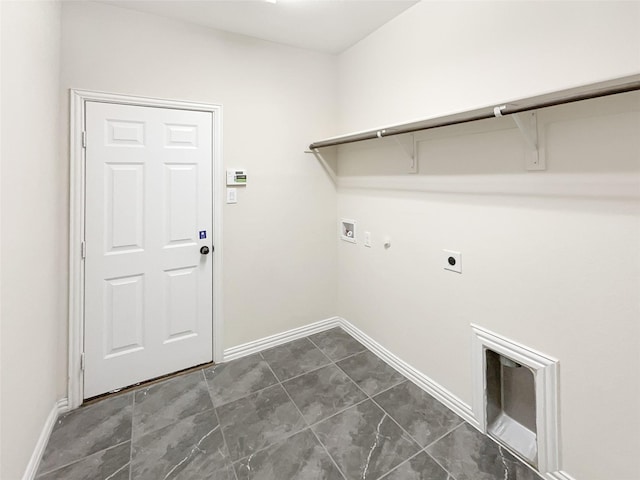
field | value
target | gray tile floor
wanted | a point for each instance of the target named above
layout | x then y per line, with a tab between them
321	407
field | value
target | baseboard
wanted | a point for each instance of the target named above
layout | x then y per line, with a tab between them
559	476
420	379
60	407
424	382
427	384
280	338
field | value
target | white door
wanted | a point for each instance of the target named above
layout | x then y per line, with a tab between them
148	287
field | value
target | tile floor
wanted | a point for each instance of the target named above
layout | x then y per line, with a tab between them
322	407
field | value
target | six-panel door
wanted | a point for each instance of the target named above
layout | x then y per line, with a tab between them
148	289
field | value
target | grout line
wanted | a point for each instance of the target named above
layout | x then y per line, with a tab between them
394	421
308	426
436	441
340	359
321	351
244	396
339	412
449	474
286	436
281	382
133	412
420	448
289	397
388	414
404	380
40	474
400	464
209	390
206	382
273	444
314	369
226	445
367	396
328	454
119	470
445	434
518	458
353	354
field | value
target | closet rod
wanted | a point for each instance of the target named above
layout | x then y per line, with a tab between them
595	90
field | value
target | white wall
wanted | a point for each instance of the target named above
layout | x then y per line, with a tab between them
442	57
550	259
279	249
33	236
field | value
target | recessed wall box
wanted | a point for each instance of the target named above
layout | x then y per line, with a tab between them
515	398
236	176
348	230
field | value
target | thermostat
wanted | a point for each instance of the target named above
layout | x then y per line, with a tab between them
236	176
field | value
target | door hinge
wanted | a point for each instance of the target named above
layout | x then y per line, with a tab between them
82	362
84	139
83	250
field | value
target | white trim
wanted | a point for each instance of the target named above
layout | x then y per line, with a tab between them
280	338
75	385
60	407
420	379
545	371
76	223
433	388
560	475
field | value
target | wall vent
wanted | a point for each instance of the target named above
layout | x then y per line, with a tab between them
515	398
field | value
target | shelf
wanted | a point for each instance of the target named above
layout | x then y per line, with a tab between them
595	90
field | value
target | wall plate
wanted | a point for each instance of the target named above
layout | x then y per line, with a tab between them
232	195
367	239
452	261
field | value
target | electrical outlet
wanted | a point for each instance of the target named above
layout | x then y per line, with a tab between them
452	261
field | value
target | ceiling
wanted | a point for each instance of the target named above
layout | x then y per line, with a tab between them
329	26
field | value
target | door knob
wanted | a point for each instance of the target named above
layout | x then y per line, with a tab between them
204	250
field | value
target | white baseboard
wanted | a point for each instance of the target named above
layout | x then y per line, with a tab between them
424	382
60	407
420	379
280	338
427	384
559	476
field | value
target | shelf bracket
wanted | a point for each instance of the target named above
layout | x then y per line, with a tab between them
411	152
527	123
316	153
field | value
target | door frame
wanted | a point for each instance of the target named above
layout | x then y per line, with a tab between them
78	99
